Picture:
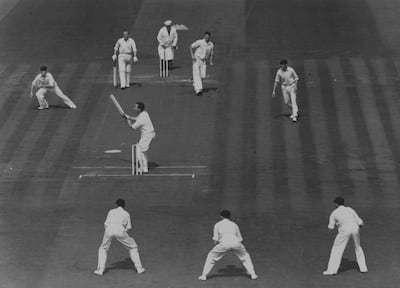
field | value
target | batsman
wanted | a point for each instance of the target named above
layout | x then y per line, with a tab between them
143	122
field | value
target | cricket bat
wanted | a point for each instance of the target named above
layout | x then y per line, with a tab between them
116	103
115	73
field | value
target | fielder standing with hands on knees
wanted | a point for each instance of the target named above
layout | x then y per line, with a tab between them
287	78
126	50
143	122
201	51
348	224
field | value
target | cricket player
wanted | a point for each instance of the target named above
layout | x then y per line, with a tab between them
117	224
167	42
348	224
44	82
143	122
201	51
126	49
287	78
227	237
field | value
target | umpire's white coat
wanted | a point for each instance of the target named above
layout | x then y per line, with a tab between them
169	40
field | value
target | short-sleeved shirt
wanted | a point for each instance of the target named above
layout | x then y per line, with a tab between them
227	231
47	80
203	48
286	78
343	216
118	217
125	46
143	122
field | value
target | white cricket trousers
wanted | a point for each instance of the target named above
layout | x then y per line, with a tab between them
343	236
219	251
41	93
125	68
289	96
199	73
128	242
144	144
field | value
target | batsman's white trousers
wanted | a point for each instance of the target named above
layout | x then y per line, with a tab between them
345	233
199	73
169	53
122	236
41	93
219	251
289	96
144	144
125	68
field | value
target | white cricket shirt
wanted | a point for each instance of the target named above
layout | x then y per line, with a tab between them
227	231
343	216
286	78
203	49
143	122
125	46
118	217
47	80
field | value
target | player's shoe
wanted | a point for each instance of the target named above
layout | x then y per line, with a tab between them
253	276
327	273
140	270
202	277
294	119
99	272
72	106
364	271
42	108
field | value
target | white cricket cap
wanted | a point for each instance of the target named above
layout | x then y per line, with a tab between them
168	23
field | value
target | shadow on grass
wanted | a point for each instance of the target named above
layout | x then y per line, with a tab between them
229	271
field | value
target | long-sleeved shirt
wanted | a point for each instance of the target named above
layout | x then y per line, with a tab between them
125	46
118	217
343	216
143	122
203	49
286	78
167	39
227	231
47	80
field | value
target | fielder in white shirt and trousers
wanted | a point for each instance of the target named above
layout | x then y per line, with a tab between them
287	78
348	223
45	82
201	51
227	238
167	42
126	48
147	133
117	224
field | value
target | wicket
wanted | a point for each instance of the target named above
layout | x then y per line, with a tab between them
136	160
163	66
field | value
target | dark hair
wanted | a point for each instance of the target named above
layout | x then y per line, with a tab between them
226	214
140	105
207	33
283	62
43	68
120	203
339	200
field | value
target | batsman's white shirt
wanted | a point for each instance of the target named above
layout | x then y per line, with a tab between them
47	80
286	78
226	231
203	48
143	122
125	46
118	218
344	216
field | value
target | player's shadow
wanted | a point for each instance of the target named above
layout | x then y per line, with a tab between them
347	265
153	165
229	271
173	67
125	264
205	90
282	115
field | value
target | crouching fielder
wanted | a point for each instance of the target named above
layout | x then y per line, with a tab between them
348	224
45	82
227	237
117	224
147	134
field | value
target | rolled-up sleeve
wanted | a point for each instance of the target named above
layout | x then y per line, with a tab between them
216	233
332	221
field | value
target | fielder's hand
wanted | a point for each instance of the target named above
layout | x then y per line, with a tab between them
114	57
273	94
135	59
125	116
